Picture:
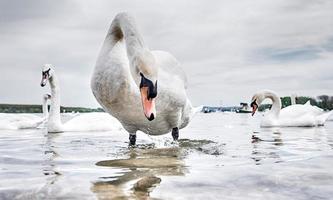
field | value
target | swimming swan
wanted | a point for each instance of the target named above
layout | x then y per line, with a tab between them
294	115
83	122
143	89
24	121
45	110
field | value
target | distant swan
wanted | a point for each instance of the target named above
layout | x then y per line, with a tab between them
293	99
83	122
145	90
24	121
45	110
293	115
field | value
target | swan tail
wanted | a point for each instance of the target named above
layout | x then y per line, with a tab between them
321	119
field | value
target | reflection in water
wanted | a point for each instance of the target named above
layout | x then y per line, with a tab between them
145	168
49	168
298	144
266	148
90	165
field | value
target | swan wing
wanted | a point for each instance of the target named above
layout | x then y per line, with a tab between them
294	111
303	115
20	121
306	120
6	123
169	64
299	110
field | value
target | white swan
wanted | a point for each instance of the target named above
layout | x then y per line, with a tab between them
83	122
24	121
45	110
129	80
293	99
293	115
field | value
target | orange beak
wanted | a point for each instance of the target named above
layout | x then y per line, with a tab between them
148	104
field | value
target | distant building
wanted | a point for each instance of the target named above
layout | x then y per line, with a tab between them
210	109
245	108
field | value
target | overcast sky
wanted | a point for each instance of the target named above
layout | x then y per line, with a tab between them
229	49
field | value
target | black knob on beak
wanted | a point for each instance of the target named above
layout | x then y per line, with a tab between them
152	117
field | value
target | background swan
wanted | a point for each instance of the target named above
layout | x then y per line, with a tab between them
82	122
46	98
293	99
45	109
24	121
143	89
293	115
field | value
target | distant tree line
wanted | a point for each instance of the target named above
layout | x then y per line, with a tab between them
323	101
19	108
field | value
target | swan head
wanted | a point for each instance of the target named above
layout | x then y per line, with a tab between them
145	76
256	100
47	73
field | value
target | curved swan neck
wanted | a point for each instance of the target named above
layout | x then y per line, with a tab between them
123	27
276	106
55	100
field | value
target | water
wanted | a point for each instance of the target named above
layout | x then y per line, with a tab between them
219	156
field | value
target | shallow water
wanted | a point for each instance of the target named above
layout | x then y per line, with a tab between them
219	156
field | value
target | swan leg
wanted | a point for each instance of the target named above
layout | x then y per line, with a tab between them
175	133
132	139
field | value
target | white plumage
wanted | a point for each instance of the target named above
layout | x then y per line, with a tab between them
296	115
